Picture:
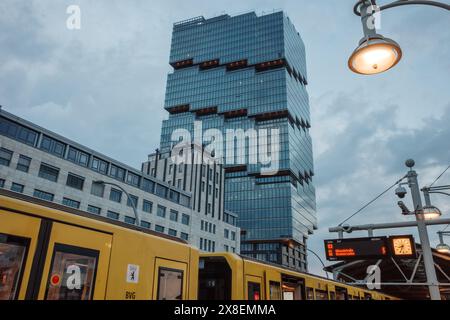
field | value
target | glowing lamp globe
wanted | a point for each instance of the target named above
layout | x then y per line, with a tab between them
443	248
431	212
374	55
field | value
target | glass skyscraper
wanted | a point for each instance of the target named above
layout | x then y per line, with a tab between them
249	72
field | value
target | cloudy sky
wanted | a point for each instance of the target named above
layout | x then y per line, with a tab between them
103	86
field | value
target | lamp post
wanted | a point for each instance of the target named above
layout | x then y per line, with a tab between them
375	53
433	284
138	220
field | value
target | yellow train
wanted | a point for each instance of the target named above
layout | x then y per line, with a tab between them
49	251
225	276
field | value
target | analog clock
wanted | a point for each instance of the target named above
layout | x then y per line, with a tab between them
402	246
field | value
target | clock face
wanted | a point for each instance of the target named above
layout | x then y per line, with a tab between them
402	246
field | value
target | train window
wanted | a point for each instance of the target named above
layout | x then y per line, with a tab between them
275	290
254	291
321	295
333	296
12	260
341	293
170	285
309	293
72	273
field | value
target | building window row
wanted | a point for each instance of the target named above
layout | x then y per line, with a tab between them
230	219
73	181
53	146
229	235
18	132
208	227
77	156
65	151
207	245
226	248
173	215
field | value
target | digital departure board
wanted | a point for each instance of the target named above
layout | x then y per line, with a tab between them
402	247
356	248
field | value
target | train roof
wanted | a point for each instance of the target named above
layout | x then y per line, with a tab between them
80	213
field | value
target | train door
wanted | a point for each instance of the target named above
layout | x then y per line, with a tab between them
214	279
18	242
293	288
273	284
170	280
253	285
41	259
76	264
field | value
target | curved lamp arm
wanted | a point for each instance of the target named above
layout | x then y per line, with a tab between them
445	193
133	206
441	235
400	3
320	259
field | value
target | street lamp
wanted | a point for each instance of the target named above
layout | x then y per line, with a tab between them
431	212
375	53
138	220
442	247
421	213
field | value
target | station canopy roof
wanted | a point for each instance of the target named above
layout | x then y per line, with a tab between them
398	271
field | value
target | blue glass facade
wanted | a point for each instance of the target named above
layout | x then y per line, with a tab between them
249	72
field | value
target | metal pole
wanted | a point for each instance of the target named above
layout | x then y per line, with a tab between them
426	196
441	236
391	225
367	12
423	233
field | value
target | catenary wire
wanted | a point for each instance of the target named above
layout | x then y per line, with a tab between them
373	200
